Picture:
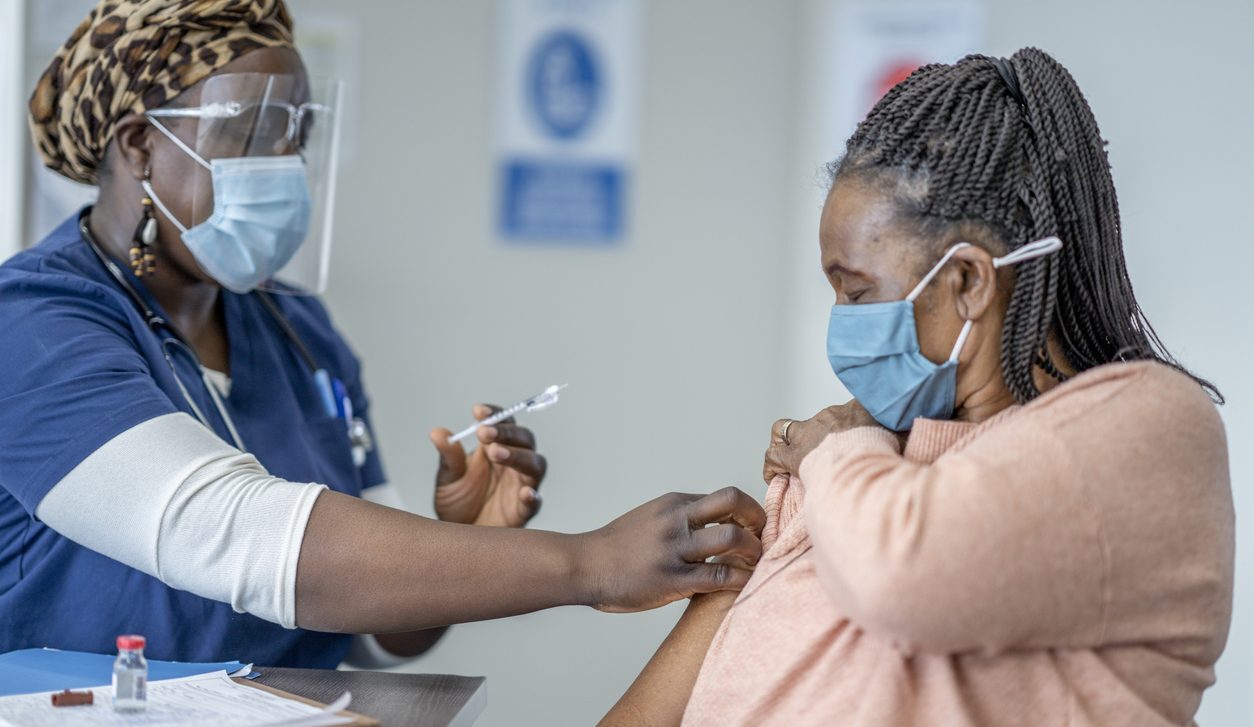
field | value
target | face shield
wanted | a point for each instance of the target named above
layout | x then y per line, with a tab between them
250	123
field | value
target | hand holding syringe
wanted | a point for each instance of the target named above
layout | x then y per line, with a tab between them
497	484
543	400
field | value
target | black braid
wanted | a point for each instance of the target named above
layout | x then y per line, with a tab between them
960	148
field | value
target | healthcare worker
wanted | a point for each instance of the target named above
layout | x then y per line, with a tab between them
184	436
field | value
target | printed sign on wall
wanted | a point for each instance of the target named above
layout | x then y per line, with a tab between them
567	108
880	42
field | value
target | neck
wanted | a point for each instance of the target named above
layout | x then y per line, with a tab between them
985	402
982	391
987	394
191	304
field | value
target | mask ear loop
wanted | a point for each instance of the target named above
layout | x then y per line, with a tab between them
161	206
935	269
962	339
966	329
187	150
1030	251
180	143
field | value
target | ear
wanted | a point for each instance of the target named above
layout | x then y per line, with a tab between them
973	281
132	140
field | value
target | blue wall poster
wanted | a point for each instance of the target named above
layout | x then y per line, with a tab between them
567	111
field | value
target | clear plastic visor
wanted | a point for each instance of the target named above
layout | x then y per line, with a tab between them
249	115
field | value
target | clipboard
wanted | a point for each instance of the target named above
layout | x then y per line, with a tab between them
359	720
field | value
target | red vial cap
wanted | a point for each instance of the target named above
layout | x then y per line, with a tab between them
131	641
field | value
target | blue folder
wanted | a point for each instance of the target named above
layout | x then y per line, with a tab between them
46	670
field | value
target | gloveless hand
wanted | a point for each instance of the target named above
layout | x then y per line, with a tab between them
793	439
498	484
657	553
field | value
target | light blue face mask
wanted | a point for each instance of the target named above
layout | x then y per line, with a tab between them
261	209
874	350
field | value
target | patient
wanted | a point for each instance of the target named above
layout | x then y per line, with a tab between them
1024	518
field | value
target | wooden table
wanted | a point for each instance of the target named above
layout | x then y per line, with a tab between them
421	700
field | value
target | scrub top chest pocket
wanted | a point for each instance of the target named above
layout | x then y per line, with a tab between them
339	441
328	437
343	439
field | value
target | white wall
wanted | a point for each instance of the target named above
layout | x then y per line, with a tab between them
50	197
12	126
1165	82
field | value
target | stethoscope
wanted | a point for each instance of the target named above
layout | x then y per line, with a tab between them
334	396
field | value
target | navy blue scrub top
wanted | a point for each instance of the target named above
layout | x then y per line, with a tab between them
78	366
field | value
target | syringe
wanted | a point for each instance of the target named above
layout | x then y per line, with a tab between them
543	400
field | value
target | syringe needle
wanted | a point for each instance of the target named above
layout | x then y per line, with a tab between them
543	400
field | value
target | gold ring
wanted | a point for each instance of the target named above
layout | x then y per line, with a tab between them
783	431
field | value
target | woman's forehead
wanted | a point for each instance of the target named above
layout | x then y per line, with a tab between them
858	220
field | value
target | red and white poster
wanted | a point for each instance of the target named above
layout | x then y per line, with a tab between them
880	42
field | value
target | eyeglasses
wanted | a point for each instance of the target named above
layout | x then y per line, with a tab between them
250	127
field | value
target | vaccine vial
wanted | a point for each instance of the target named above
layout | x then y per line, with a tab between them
130	675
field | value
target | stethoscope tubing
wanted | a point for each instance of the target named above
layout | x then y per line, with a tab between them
167	334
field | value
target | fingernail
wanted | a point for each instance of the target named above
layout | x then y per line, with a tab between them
489	433
529	494
500	454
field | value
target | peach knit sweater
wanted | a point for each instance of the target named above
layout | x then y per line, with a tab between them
1068	562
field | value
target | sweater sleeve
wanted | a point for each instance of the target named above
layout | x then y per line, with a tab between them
1052	529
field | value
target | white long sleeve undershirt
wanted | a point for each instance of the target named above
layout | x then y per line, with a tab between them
171	499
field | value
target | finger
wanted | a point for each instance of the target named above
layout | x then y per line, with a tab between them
529	502
727	505
710	577
483	411
724	540
777	431
771	465
452	457
508	434
525	461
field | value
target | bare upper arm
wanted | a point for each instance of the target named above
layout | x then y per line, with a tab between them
660	694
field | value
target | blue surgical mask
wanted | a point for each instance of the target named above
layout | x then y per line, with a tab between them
874	350
261	210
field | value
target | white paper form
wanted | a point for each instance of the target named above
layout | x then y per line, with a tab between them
208	699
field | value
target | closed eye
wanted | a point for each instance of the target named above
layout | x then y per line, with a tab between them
855	295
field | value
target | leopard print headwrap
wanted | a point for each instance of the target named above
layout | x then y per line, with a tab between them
129	56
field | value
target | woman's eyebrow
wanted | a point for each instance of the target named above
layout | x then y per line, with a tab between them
835	266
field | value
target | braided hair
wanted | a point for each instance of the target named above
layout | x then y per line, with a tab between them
1011	147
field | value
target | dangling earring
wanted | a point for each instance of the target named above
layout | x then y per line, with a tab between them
143	259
